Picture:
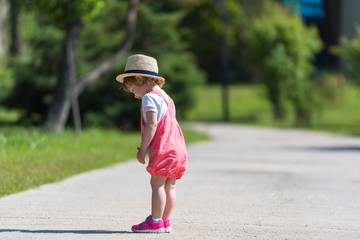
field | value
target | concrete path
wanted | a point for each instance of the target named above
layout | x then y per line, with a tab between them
246	183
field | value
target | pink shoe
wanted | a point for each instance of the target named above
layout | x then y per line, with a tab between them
149	226
167	226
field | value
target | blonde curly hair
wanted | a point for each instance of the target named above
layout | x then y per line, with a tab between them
140	80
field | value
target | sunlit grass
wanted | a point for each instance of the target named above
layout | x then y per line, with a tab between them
30	157
342	117
248	105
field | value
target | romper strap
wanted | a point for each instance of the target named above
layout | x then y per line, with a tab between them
162	95
169	102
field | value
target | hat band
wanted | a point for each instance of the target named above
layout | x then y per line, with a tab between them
143	72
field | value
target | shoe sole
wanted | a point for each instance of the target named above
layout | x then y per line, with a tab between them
168	229
149	231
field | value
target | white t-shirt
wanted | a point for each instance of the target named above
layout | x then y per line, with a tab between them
155	103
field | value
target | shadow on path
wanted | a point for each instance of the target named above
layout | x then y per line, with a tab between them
67	231
329	148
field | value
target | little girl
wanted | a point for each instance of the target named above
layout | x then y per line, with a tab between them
161	139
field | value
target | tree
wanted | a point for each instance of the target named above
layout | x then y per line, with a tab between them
15	42
157	34
281	49
177	64
101	102
70	16
349	49
204	31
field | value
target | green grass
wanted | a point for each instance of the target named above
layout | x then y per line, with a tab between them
8	116
30	157
248	105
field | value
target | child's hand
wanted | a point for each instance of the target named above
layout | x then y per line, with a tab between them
141	156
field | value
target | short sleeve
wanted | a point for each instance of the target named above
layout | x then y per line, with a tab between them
149	104
154	103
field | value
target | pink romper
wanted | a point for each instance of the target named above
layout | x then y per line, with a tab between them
168	155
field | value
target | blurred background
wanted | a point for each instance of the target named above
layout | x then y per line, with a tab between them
284	63
265	62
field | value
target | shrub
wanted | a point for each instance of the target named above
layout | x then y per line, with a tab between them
34	73
7	81
280	49
202	28
349	49
330	88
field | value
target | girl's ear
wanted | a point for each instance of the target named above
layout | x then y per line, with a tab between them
149	83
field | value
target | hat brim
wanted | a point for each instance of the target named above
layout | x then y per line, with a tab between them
120	78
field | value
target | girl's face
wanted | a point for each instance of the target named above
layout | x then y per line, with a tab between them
138	91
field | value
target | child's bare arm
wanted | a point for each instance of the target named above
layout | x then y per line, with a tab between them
148	135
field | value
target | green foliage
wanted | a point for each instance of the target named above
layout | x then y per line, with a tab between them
61	12
7	81
102	103
157	36
8	116
349	49
280	48
102	35
182	79
330	89
201	29
35	71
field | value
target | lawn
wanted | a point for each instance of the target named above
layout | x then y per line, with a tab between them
30	157
248	105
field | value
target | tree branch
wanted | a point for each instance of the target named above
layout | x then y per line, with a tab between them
125	46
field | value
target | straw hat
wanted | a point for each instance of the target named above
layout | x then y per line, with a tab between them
140	65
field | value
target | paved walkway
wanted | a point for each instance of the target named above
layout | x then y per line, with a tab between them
246	183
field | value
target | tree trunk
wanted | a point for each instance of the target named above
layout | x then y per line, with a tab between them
60	106
15	42
278	108
303	114
332	30
71	46
64	98
125	46
3	27
224	61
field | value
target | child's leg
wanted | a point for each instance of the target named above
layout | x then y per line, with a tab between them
170	197
158	196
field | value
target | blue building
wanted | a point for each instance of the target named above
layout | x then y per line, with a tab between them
334	18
